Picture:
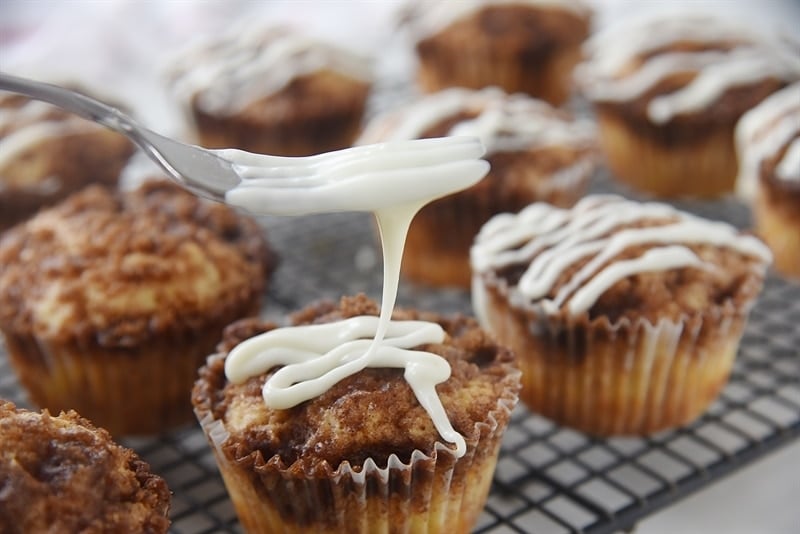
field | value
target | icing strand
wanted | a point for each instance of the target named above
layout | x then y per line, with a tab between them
789	167
763	131
315	357
551	240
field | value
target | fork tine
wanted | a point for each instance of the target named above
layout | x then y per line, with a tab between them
404	158
389	187
417	146
271	171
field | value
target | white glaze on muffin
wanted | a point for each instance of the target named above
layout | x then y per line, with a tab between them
711	55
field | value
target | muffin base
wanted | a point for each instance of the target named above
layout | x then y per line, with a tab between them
56	168
551	80
704	168
436	493
330	131
363	500
128	391
628	379
519	48
315	113
777	222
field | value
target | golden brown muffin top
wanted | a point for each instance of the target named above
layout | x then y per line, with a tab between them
613	258
61	474
122	266
685	66
371	414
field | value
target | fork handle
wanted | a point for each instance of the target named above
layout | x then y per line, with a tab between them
72	101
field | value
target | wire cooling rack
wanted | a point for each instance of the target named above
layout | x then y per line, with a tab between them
549	479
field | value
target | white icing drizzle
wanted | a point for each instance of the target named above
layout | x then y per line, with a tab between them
429	17
550	240
789	167
239	68
34	127
751	57
314	357
763	131
503	122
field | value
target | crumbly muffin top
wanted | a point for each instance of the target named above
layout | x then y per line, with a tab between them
371	414
668	67
615	258
529	25
61	474
224	75
121	266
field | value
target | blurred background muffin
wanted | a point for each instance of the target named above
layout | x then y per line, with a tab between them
625	316
668	90
768	145
62	474
110	301
536	152
47	153
272	90
528	46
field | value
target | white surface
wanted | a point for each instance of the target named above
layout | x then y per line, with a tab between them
117	47
762	498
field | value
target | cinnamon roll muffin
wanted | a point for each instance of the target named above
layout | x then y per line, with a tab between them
110	301
768	144
47	153
625	316
537	154
528	46
363	455
62	474
272	91
668	91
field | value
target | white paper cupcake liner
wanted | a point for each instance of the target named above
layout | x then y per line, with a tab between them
430	493
627	378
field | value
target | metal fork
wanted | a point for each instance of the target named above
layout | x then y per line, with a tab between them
216	173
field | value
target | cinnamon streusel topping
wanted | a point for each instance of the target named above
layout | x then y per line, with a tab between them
122	266
61	474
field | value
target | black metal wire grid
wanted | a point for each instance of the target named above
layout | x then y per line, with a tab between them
549	479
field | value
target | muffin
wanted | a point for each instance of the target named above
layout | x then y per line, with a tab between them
47	153
668	92
110	301
537	153
522	46
272	91
61	474
626	317
768	145
362	456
